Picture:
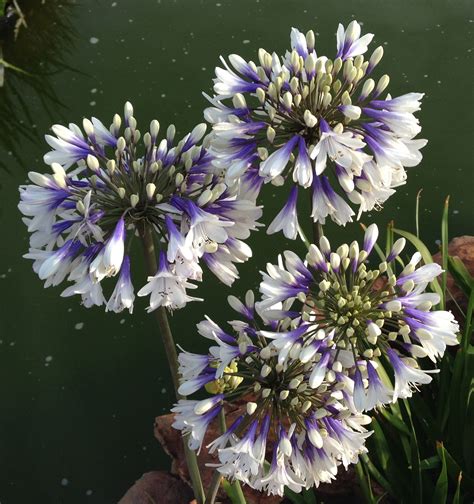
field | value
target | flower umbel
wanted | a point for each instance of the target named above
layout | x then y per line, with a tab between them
361	314
323	123
107	186
305	429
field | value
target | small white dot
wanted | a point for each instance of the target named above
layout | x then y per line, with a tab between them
93	40
79	326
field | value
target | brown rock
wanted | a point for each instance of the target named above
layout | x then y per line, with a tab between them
380	283
462	247
346	486
158	487
170	440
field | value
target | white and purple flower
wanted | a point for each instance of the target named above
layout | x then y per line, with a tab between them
316	428
321	122
103	191
359	314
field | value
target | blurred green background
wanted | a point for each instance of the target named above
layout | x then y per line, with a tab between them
79	389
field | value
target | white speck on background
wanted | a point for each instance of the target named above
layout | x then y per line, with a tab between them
64	482
79	326
93	40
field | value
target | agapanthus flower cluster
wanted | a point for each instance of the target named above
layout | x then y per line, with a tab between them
363	315
298	422
109	186
323	123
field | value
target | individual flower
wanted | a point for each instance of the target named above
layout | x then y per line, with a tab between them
109	185
293	432
323	123
360	313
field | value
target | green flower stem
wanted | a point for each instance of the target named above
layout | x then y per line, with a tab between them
172	357
318	232
214	487
237	496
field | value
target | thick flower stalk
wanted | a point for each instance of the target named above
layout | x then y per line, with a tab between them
299	423
107	186
359	315
324	124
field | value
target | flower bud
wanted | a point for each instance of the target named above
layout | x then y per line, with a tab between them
93	163
310	40
121	144
128	110
382	84
288	100
154	129
239	101
150	190
367	88
260	95
377	55
270	134
251	408
309	119
134	199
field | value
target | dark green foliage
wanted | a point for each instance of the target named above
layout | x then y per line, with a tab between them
422	448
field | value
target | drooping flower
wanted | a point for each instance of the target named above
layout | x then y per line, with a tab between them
322	123
302	428
361	314
123	296
106	187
